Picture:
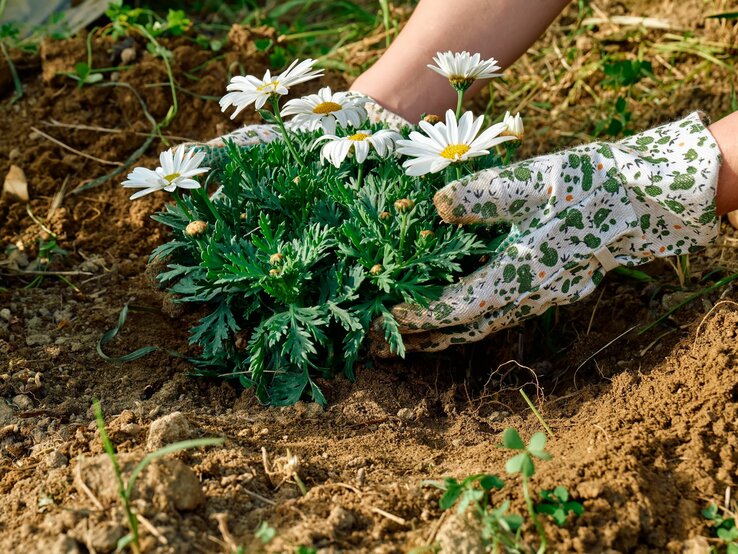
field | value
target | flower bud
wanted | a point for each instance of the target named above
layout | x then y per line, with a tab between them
196	228
384	216
431	118
513	126
404	205
276	259
244	215
274	272
296	180
426	234
376	269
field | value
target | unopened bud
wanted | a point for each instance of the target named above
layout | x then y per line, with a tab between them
432	119
404	205
296	180
196	228
376	269
276	259
274	272
426	234
244	215
384	216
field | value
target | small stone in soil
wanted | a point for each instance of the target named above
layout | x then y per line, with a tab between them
168	429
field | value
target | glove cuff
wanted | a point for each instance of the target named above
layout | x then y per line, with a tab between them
671	173
379	114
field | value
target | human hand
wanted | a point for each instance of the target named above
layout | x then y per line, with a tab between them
575	215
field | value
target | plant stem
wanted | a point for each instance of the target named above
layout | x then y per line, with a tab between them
536	412
181	204
403	232
285	134
458	171
459	102
534	516
13	74
210	205
360	176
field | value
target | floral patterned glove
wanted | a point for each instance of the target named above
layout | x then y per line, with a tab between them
575	215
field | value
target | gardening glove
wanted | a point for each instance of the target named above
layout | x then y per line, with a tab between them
575	215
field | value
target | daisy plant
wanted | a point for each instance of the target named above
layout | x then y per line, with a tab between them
290	262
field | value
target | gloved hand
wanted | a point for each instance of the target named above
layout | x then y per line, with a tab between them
575	215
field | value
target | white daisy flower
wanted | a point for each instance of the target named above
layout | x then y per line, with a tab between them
447	143
176	171
462	69
326	109
248	89
337	149
513	126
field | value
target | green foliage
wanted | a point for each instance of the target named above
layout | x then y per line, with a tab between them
499	527
523	462
265	533
301	260
123	17
625	73
556	503
723	527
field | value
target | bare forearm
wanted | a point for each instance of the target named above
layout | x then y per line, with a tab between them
725	132
501	29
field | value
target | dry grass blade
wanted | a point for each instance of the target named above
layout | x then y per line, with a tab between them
74	150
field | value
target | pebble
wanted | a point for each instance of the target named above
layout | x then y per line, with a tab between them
23	402
128	55
55	460
6	413
167	429
5	314
406	414
39	339
14	153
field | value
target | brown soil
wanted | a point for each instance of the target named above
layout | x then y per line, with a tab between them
645	431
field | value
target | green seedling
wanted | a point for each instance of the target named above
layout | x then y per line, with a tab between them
265	533
127	488
723	527
499	527
523	464
557	504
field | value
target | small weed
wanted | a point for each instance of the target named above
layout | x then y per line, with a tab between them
265	533
501	529
724	528
556	504
126	488
523	464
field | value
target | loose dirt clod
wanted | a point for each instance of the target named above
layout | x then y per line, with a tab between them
168	429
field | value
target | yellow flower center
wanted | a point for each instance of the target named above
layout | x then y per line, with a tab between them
266	86
327	107
358	137
171	177
454	151
460	82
